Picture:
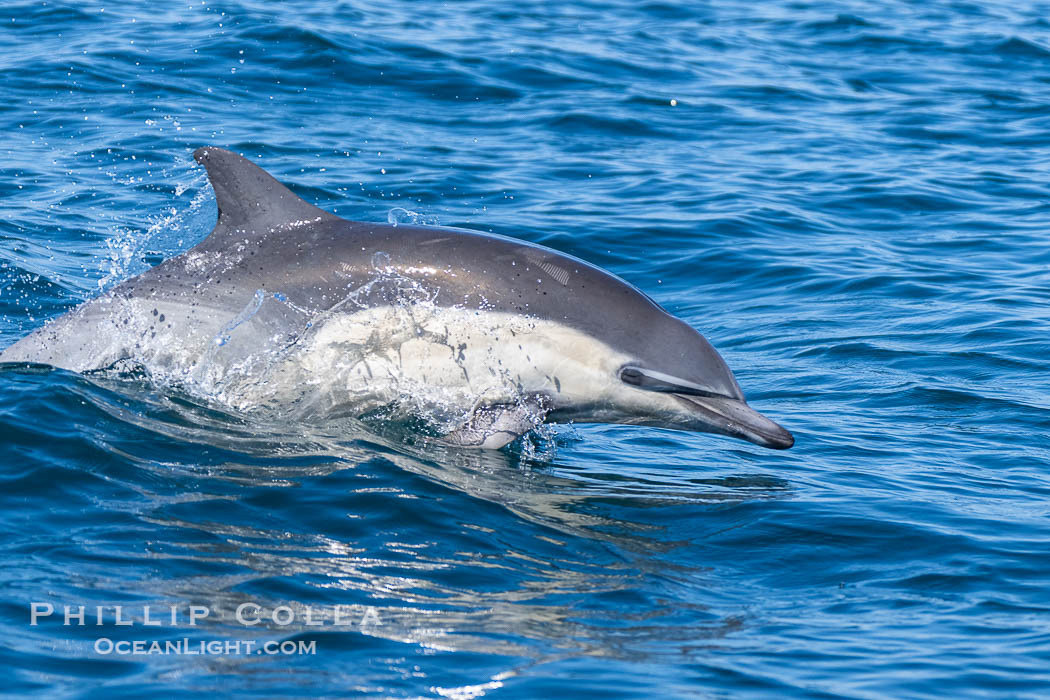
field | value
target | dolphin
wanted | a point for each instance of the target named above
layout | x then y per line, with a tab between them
285	304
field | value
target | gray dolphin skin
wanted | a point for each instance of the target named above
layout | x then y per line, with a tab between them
285	303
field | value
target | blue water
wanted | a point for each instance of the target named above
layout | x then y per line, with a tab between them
850	200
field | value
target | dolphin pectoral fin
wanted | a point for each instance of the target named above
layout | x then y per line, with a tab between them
492	427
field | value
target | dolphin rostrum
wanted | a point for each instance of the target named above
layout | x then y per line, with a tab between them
290	307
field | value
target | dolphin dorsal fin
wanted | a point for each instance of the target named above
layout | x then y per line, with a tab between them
250	200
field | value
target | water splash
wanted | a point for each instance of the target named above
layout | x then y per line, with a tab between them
387	350
131	251
400	215
246	315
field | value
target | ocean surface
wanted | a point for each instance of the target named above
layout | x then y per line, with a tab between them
850	200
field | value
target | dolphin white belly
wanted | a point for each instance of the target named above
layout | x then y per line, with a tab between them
447	360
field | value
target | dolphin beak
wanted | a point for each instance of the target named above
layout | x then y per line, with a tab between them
736	419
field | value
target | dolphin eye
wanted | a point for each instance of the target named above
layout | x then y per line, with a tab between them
632	376
651	380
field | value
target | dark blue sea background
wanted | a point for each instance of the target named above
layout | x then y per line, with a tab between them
850	200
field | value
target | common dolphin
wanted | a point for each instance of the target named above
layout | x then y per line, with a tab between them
284	303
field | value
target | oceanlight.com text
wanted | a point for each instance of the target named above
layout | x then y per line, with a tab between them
214	647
